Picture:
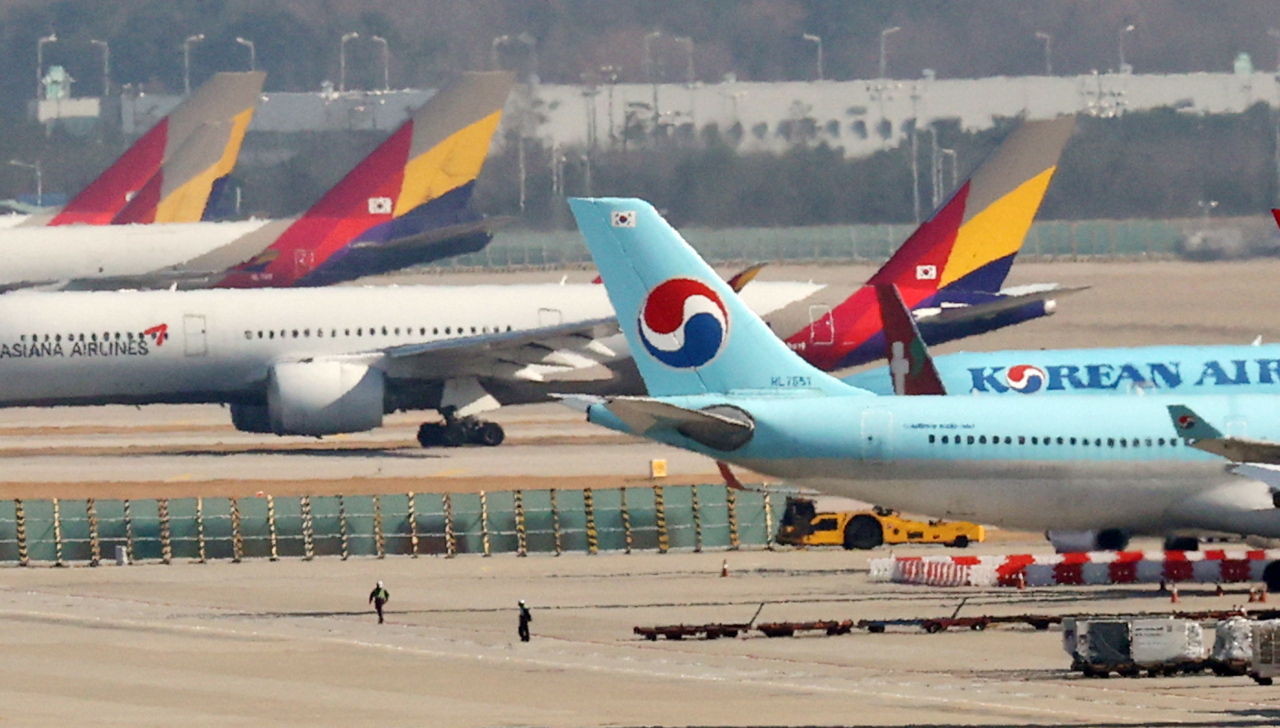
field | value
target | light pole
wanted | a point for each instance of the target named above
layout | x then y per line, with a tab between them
610	74
884	58
51	38
342	60
1048	52
818	41
648	69
1124	67
688	50
386	62
106	65
253	55
39	178
186	60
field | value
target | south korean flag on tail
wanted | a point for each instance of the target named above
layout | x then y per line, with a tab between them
623	218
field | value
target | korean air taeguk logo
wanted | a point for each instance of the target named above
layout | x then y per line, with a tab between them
1026	378
683	323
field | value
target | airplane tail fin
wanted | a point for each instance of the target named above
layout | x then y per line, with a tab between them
169	173
418	180
1191	426
909	362
688	332
970	241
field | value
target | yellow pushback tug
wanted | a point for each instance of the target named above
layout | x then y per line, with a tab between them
803	525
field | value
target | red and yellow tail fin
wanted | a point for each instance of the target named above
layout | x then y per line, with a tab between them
169	173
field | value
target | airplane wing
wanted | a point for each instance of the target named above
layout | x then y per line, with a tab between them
708	427
1201	435
531	355
1012	299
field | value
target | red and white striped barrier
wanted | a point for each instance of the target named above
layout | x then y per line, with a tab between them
1214	566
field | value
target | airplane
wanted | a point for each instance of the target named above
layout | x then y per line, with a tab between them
308	361
1219	369
721	384
951	269
176	170
406	203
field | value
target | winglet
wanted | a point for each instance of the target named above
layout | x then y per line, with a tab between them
1191	426
909	362
740	279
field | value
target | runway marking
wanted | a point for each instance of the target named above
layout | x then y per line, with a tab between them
451	472
179	478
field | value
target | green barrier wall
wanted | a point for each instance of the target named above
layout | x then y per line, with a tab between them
644	518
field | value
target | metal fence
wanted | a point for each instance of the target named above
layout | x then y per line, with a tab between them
837	243
650	518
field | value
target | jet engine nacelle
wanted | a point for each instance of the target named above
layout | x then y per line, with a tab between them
321	398
1066	542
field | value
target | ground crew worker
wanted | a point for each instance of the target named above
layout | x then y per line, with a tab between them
525	619
379	597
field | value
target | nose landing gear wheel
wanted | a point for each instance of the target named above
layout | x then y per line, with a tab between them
490	434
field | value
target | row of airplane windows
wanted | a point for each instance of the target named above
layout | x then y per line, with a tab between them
1082	441
106	336
375	331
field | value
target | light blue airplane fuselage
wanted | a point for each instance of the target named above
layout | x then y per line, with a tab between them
1086	462
1235	369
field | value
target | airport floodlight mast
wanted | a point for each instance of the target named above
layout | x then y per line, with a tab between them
688	49
817	40
386	62
1048	51
1206	207
342	60
253	55
40	44
186	60
884	57
106	65
1125	67
39	178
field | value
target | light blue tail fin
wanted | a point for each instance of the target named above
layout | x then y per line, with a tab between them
688	331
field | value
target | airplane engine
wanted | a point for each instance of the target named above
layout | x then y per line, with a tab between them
324	398
1066	542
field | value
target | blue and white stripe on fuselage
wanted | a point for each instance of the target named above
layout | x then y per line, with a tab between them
1186	370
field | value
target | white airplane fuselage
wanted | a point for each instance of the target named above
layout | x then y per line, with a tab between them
217	345
51	254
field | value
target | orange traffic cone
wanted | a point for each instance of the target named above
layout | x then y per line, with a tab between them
724	568
1173	595
1219	591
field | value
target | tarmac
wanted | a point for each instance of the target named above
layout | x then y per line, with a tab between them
294	643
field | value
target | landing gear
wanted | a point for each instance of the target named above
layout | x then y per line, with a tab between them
1181	543
459	431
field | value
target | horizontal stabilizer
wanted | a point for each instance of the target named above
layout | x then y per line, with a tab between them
988	309
710	428
1201	435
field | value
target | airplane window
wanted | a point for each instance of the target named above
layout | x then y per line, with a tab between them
82	337
384	330
57	337
320	333
982	440
247	335
508	327
117	336
970	439
473	329
1097	442
1008	440
93	337
1111	442
1173	442
1148	442
306	333
931	438
448	330
397	331
1060	441
435	331
944	440
295	333
346	332
359	332
1160	442
1123	443
271	334
259	335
